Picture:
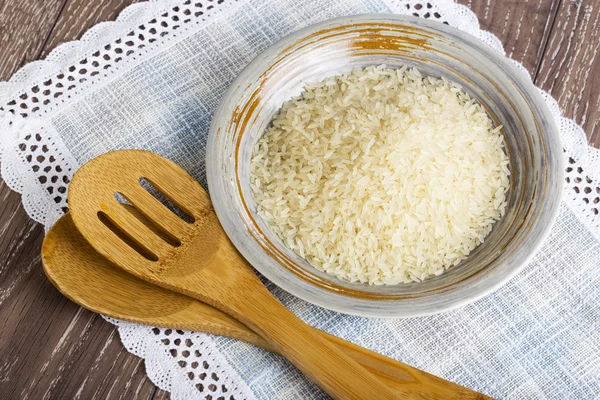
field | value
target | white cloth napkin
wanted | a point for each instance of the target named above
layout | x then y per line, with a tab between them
153	79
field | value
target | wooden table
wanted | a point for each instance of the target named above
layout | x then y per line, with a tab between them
51	348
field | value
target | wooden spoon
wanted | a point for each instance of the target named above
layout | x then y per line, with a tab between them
90	280
197	259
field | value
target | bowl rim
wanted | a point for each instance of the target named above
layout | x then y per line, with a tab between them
472	293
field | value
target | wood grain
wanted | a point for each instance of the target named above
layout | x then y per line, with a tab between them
24	30
557	41
522	26
49	347
200	261
77	16
41	352
570	68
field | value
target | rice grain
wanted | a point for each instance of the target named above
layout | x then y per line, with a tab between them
381	175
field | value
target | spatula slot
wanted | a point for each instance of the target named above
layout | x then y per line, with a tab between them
166	200
121	199
157	229
125	237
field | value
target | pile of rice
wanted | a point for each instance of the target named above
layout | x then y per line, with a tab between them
381	175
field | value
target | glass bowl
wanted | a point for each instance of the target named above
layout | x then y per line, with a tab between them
341	45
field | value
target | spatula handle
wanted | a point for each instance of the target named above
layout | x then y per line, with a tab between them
322	361
406	381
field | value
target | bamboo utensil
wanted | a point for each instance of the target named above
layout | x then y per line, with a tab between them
197	259
90	280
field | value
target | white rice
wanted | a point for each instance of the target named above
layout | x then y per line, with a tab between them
381	175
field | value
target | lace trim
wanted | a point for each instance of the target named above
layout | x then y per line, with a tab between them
40	87
43	184
200	367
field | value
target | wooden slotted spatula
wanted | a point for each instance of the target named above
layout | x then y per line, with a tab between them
90	280
198	259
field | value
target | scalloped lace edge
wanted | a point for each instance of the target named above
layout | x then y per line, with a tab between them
156	357
17	175
70	52
38	204
101	34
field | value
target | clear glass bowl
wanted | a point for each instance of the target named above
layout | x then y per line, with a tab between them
343	44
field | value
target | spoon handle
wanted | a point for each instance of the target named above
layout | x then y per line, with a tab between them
324	363
408	382
238	292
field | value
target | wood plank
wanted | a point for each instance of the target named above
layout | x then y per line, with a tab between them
78	16
24	29
523	27
570	68
13	223
557	41
50	347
